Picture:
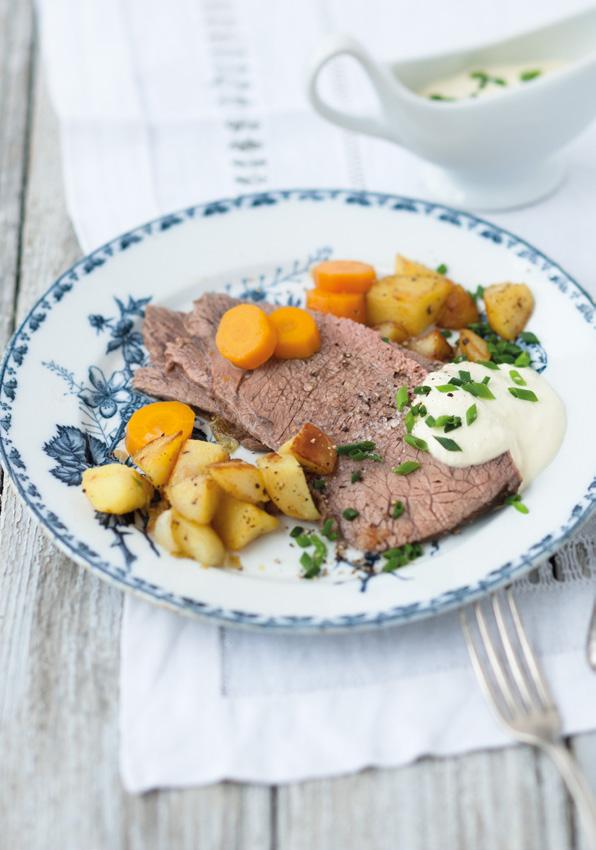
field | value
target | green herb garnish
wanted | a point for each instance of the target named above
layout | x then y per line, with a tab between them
446	333
423	390
516	502
471	414
478	294
522	359
407	467
525	395
296	531
448	423
447	388
489	364
517	378
460	358
399	556
464	376
526	76
385	339
442	269
356	476
409	420
350	514
328	529
440	97
529	338
312	563
397	509
416	442
448	444
319	485
402	398
478	390
362	450
430	421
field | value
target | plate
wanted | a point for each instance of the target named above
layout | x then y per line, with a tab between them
65	396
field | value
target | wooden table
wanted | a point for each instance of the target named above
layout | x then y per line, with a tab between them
59	640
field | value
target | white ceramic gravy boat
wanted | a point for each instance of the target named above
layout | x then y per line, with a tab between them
486	153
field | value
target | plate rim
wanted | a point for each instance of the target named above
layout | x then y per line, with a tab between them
393	615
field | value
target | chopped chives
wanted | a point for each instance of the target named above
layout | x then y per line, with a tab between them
464	376
328	529
312	565
517	378
423	390
478	390
446	333
397	509
401	398
446	388
478	294
356	476
449	423
460	358
350	514
486	380
407	467
525	395
319	485
296	531
529	338
442	269
448	444
471	414
522	359
409	420
304	541
363	445
399	556
526	76
416	442
385	339
457	382
489	364
516	502
430	421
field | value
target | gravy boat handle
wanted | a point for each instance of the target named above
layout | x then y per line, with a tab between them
380	78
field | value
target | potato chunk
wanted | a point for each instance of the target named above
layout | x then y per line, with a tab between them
163	532
458	310
195	456
413	302
392	331
287	487
195	498
198	541
241	480
312	449
238	523
403	265
508	308
116	489
472	346
432	345
157	458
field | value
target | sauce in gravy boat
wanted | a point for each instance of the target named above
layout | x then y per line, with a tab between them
487	120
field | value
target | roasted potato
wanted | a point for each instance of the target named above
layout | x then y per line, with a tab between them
392	330
472	346
240	479
163	532
157	458
409	267
431	344
508	308
458	310
237	522
116	489
195	498
312	449
287	487
412	302
195	456
197	541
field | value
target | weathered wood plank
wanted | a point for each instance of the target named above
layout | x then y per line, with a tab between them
15	72
509	799
59	650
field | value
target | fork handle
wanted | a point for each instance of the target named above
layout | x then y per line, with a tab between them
577	786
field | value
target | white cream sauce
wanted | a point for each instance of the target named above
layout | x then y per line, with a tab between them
487	81
531	430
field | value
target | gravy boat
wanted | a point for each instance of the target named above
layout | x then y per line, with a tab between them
486	153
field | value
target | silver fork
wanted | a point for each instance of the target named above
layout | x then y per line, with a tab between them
516	690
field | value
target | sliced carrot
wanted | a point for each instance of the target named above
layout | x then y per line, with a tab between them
346	305
156	420
344	276
297	333
245	336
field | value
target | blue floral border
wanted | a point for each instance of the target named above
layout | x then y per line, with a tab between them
16	354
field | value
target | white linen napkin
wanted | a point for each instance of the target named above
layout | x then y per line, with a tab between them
165	105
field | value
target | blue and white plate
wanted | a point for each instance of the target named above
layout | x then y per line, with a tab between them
65	396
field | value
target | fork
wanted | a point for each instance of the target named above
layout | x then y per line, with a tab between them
516	690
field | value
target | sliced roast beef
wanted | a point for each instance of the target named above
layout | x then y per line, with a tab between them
348	390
